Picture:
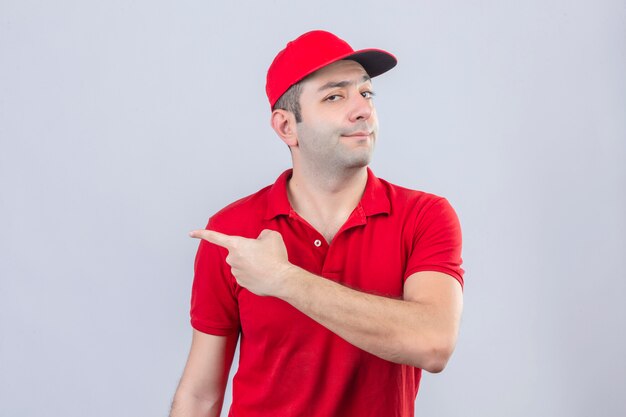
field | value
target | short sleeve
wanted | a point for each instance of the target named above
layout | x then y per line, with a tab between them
436	241
214	306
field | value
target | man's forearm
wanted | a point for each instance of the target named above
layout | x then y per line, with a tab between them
415	333
419	330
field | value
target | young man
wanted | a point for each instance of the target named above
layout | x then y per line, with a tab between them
342	286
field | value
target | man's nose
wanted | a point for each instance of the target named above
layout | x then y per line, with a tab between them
361	108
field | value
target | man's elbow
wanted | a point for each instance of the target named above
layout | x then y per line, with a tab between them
190	403
437	360
432	357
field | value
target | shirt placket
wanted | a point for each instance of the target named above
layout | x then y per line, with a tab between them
313	242
331	256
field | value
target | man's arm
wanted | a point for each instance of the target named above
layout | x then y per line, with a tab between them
419	330
201	388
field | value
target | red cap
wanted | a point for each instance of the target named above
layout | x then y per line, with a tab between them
315	50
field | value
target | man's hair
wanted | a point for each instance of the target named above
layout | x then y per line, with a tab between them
290	101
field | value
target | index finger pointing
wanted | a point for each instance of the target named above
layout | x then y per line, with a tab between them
212	236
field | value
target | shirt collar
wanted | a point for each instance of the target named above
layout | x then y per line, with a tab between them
374	200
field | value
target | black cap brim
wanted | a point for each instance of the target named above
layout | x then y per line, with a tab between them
374	61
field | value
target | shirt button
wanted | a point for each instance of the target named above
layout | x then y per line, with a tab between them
317	243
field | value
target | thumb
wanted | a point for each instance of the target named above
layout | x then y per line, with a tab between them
268	233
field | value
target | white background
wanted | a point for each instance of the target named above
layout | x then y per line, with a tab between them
125	124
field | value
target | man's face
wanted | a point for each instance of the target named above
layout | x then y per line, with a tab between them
339	124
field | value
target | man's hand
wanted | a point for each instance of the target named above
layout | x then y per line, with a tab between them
259	265
420	330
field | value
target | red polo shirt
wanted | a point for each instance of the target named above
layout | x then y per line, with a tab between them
289	365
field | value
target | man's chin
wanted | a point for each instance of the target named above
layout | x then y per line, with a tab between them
360	162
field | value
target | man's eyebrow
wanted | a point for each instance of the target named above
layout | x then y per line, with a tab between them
341	84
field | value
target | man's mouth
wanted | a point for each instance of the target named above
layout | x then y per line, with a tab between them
360	134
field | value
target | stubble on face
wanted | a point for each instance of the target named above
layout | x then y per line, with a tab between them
325	135
326	147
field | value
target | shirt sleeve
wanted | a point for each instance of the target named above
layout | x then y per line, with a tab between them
214	306
437	242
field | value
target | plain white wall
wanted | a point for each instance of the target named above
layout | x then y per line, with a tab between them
123	125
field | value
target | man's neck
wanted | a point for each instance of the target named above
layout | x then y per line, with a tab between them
326	201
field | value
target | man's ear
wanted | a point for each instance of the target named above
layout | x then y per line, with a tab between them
284	124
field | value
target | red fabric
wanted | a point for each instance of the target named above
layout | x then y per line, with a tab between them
314	50
291	366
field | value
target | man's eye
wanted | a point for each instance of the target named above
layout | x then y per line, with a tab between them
368	94
334	97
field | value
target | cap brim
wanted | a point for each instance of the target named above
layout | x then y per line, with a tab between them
374	61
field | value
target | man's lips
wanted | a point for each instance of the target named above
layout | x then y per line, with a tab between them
361	134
